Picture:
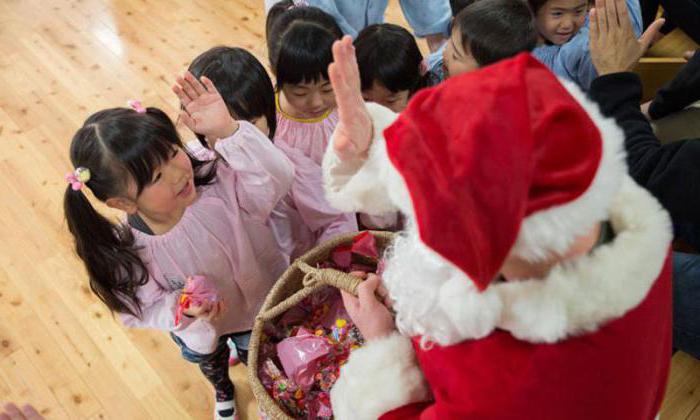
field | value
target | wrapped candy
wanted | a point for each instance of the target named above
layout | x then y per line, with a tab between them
312	340
363	245
299	356
197	291
282	389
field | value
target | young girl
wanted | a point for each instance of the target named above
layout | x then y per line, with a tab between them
299	40
303	218
391	65
563	37
184	218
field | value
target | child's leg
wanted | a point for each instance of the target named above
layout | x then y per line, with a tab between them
241	341
215	369
214	366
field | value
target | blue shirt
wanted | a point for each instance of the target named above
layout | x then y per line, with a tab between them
572	60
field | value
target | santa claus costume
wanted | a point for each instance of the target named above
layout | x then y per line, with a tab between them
508	161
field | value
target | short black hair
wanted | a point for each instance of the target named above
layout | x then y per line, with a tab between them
299	41
496	29
242	81
389	54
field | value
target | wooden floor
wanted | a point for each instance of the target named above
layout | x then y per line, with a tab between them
59	347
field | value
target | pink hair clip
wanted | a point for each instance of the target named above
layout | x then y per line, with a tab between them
135	104
78	178
423	67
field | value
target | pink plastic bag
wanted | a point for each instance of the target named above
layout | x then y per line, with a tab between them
197	291
299	356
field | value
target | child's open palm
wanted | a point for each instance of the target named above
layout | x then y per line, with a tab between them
353	133
205	111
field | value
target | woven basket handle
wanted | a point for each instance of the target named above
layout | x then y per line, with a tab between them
330	277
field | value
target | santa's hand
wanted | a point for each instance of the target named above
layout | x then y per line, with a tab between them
353	133
372	318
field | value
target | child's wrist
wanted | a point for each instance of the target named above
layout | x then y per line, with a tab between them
226	131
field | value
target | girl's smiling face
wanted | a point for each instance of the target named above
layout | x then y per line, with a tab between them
171	190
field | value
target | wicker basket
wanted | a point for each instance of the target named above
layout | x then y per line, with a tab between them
300	280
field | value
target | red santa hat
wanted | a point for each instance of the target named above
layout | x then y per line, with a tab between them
522	168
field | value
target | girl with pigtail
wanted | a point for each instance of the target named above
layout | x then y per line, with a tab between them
184	218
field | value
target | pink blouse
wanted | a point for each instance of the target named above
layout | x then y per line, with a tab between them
304	218
310	136
223	235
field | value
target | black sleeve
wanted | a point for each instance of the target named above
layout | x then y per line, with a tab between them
671	172
680	92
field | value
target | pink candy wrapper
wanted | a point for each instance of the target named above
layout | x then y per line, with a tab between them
299	356
197	291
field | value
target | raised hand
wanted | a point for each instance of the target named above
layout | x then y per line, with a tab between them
614	47
353	133
204	109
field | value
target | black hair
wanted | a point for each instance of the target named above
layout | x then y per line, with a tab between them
389	54
299	41
116	145
536	5
242	81
496	29
457	5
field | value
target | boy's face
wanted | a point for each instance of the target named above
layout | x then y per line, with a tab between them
395	101
559	20
456	58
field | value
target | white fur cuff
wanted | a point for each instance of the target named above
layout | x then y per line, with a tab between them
378	378
362	185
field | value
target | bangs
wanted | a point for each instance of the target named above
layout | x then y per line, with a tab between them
304	55
388	54
391	70
149	145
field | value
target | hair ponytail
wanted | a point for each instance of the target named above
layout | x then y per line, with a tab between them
114	268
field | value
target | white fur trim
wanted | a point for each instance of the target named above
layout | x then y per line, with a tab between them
369	185
576	298
553	230
436	300
432	297
379	377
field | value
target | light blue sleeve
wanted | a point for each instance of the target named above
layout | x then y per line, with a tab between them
350	15
435	62
427	17
573	60
350	19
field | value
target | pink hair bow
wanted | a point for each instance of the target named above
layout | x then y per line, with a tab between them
135	104
78	178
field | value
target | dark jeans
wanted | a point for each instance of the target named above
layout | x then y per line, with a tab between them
686	303
214	366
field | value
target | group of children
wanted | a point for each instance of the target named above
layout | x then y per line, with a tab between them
244	198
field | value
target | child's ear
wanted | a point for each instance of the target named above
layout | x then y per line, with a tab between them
124	204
